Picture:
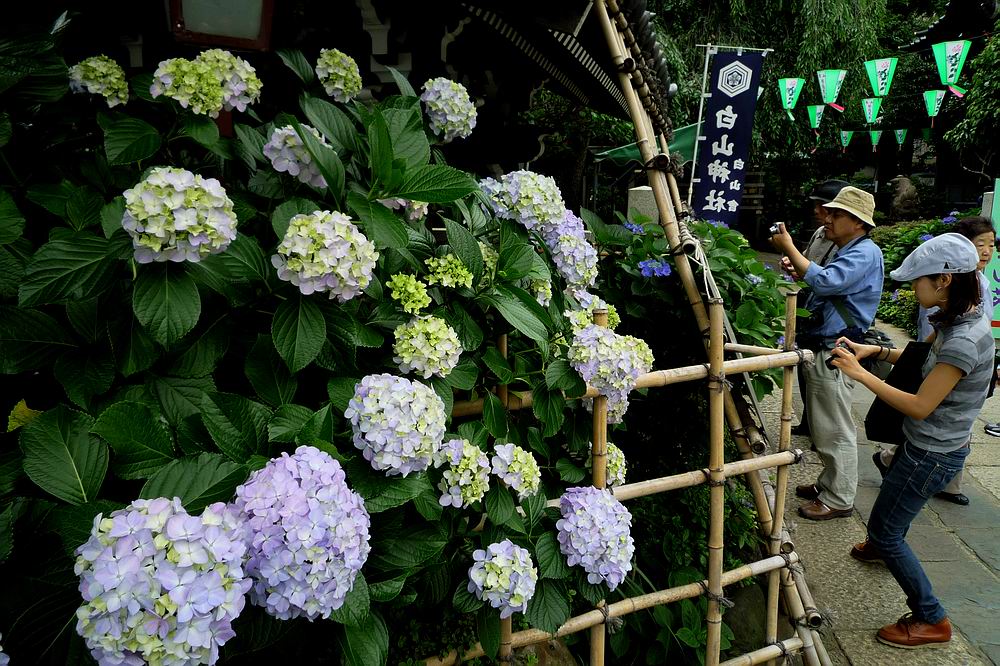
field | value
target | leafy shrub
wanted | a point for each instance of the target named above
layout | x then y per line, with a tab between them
899	308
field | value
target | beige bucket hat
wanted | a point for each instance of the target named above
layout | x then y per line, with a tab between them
859	203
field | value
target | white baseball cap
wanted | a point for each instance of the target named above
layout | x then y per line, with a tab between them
947	253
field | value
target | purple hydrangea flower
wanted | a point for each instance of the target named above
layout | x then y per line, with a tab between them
754	279
504	576
529	198
654	268
594	534
950	219
575	258
159	585
288	153
611	363
895	296
925	237
636	229
718	223
781	341
397	424
306	534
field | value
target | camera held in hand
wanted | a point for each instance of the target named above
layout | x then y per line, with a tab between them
776	228
831	357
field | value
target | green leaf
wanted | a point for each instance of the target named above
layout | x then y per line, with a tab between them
286	422
380	224
569	472
466	248
560	376
200	128
73	267
606	234
341	390
6	129
549	407
29	340
85	375
380	148
548	609
488	630
62	457
382	493
407	548
166	302
409	141
242	260
201	357
495	361
134	349
326	160
435	183
298	331
463	376
11	220
51	197
356	604
494	416
404	86
331	122
298	63
111	216
8	517
286	211
516	261
73	524
465	601
499	504
386	590
469	333
365	644
238	426
551	563
180	398
250	146
268	375
198	481
520	316
130	140
140	442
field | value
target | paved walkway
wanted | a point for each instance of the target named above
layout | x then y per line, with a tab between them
958	546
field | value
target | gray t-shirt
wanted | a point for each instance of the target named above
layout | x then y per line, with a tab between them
820	250
968	345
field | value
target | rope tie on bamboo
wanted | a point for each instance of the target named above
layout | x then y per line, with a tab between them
720	382
783	652
720	599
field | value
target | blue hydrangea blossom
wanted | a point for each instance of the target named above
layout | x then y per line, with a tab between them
594	533
611	363
504	576
288	154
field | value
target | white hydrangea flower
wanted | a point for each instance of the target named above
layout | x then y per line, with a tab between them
517	468
288	154
468	475
504	576
449	109
529	198
192	83
175	215
240	85
324	252
428	346
100	75
339	75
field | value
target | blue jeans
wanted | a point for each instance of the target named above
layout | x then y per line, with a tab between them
914	477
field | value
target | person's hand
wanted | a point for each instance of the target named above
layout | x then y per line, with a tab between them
847	362
782	240
860	351
786	265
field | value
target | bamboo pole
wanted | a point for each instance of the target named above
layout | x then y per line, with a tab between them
717	497
506	645
599	467
751	349
626	607
772	651
813	617
794	606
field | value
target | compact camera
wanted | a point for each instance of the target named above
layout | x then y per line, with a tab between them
775	228
831	357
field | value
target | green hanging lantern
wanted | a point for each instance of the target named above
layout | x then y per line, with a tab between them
830	82
880	73
876	136
788	90
845	139
815	115
932	101
950	58
900	136
871	106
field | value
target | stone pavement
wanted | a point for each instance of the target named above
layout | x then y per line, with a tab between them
959	547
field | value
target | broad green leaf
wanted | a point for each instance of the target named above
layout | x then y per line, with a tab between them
75	267
537	444
488	630
551	562
85	374
52	197
331	122
463	376
469	333
268	374
499	504
255	630
84	208
238	426
251	145
445	391
409	140
139	440
548	609
326	160
380	148
130	140
8	517
365	644
382	493
6	129
516	261
286	422
404	86
166	302
298	331
465	601
243	260
29	340
569	472
11	220
356	604
11	272
202	355
549	407
475	432
606	234
534	507
465	247
560	376
286	211
341	390
435	183
111	216
298	63
62	457
407	548
179	397
386	590
495	361
519	316
134	349
200	128
494	416
380	224
197	481
73	524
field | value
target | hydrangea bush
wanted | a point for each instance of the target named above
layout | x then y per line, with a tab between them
594	534
100	75
504	576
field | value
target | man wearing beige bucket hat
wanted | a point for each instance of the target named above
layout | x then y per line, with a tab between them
845	295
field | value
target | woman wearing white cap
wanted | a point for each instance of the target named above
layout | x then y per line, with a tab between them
937	422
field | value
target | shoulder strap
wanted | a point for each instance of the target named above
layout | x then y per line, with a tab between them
838	304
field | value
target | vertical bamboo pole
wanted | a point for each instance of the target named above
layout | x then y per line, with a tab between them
506	626
599	465
717	480
784	441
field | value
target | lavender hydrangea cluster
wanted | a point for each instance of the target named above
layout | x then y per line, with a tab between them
325	252
192	83
306	534
448	271
654	268
468	475
415	210
161	586
100	75
575	258
616	466
594	534
517	468
579	319
504	576
529	198
410	292
288	154
339	74
398	425
611	363
240	84
450	111
175	215
427	346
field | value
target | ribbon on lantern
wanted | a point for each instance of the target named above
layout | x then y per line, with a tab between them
815	118
876	136
871	106
880	72
788	90
900	136
830	81
932	101
845	139
950	58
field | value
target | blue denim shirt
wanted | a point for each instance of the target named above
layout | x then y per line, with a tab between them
854	274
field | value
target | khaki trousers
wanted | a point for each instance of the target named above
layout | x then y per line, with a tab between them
833	431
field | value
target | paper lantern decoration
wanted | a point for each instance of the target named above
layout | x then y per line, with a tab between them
871	106
932	101
788	90
950	58
900	136
845	139
830	82
880	73
815	115
876	136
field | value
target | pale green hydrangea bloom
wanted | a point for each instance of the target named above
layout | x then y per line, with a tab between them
616	466
542	290
339	75
468	476
193	83
427	346
100	75
518	469
409	291
490	260
450	111
448	271
239	81
581	319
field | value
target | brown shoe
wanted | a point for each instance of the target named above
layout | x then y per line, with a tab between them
809	491
816	510
910	633
866	552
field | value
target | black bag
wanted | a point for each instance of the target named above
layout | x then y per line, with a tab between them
884	423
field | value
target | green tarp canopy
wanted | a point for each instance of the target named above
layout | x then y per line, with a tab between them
683	143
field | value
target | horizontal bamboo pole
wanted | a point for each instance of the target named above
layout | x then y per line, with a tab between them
697	477
627	606
785	647
750	349
655	379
